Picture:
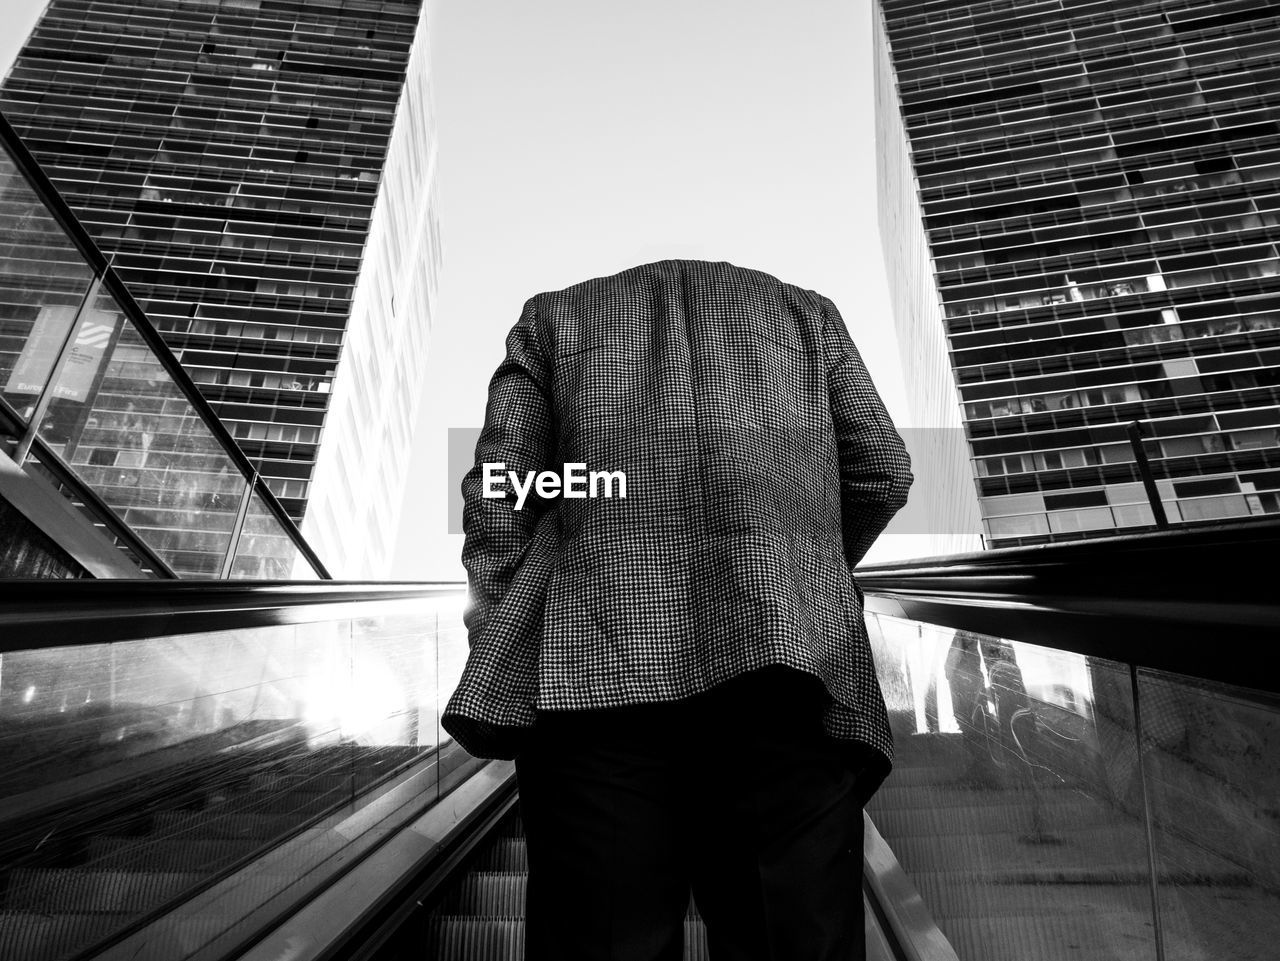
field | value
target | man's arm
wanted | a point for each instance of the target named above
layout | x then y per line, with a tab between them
875	469
518	431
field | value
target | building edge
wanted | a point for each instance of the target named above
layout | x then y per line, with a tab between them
365	450
947	519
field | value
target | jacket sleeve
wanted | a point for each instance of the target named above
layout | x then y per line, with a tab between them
519	433
875	468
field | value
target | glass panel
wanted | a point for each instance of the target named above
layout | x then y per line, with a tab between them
140	774
43	278
130	432
1014	804
1212	759
266	551
146	568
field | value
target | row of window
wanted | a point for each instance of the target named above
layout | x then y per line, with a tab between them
308	256
1002	532
284	433
351	129
1123	288
1254	439
975	95
32	83
1095	203
259	379
1075	351
131	20
1148	178
949	154
241	331
166	47
1170	100
1074	277
199	12
1017	21
1131	53
1010	241
1183	235
1183	381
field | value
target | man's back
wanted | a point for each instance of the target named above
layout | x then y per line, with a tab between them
681	672
759	463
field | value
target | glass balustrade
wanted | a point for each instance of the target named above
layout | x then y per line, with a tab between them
142	775
1050	805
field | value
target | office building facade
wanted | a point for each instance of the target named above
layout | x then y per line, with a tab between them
1100	190
261	172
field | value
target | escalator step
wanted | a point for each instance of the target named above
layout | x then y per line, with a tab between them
41	937
78	891
511	827
506	854
318	783
498	894
57	891
453	938
487	893
140	854
301	804
214	823
695	940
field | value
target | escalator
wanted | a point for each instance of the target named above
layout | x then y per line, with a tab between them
479	913
1087	738
120	856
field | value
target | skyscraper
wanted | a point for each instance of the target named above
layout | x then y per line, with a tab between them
262	172
1100	191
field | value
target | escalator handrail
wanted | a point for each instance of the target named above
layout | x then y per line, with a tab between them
1200	602
353	916
901	913
318	855
57	613
1150	599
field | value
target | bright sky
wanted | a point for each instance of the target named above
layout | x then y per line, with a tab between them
581	137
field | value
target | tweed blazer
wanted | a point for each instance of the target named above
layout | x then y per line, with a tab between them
760	466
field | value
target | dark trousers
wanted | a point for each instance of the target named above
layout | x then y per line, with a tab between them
737	795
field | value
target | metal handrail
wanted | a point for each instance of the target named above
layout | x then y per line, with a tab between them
43	613
1165	600
1153	599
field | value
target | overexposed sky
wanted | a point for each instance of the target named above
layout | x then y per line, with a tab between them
581	137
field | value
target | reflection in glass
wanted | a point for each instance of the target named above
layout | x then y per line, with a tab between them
265	550
1025	784
129	431
1000	808
43	278
1210	755
173	761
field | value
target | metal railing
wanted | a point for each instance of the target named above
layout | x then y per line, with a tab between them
1151	599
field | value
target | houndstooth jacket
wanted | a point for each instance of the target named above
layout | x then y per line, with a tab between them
760	466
